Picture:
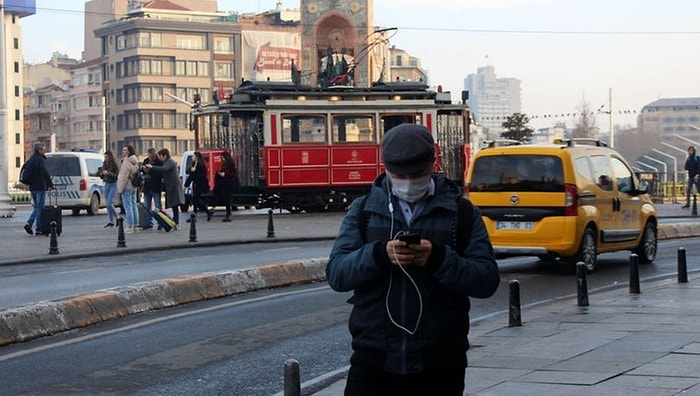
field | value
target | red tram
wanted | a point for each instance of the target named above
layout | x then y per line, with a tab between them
313	149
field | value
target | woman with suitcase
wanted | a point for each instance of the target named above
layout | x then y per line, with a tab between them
174	196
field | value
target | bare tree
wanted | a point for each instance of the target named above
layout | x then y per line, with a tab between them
584	125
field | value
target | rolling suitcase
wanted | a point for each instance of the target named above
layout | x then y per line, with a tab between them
144	220
51	212
163	220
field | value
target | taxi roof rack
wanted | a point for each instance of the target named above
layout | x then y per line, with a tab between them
501	143
588	141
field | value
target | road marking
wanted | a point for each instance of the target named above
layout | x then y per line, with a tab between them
282	249
79	270
154	321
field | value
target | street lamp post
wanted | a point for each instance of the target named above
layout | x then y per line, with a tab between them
688	140
675	171
658	162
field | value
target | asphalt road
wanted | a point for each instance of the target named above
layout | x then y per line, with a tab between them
238	345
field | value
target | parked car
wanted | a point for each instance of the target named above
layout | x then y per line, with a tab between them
74	175
571	200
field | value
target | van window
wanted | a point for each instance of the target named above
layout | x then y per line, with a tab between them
93	166
623	176
539	173
583	168
63	166
601	171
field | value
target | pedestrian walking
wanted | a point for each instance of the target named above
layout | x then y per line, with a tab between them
692	166
197	178
109	173
37	176
411	271
227	182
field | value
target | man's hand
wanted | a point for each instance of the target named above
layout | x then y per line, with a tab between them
402	254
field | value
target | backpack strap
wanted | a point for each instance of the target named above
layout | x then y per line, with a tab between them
363	219
465	216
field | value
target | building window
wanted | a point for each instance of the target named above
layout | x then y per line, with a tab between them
223	45
192	42
180	68
16	43
18	162
16	67
204	69
399	60
17	138
223	71
191	68
16	115
17	91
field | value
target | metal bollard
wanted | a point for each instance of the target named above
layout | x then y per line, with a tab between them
514	318
682	266
193	227
292	379
53	245
582	284
694	211
634	274
270	226
121	241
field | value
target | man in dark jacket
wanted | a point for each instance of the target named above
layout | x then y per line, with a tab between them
410	317
40	183
152	187
692	166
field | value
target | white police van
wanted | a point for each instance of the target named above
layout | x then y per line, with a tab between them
74	176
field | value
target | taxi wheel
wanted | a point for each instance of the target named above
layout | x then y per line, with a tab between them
94	205
646	251
588	252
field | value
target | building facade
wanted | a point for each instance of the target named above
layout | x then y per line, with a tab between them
492	99
668	117
405	67
12	91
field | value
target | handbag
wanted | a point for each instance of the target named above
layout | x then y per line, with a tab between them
136	179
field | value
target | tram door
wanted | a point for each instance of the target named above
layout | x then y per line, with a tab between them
451	139
245	138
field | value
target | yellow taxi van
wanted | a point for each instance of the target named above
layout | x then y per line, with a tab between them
570	200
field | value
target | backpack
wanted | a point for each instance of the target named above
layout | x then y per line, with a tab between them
136	179
25	174
463	232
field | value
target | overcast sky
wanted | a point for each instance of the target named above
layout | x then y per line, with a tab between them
563	51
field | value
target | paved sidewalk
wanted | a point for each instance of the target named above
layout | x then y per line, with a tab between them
621	344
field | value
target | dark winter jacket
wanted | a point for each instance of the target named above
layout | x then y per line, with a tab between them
445	284
692	165
36	166
198	178
110	171
152	183
174	194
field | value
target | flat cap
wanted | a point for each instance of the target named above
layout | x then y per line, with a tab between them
407	149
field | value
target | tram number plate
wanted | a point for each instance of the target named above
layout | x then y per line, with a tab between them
514	225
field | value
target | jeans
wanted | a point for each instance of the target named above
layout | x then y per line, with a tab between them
691	182
110	190
39	198
149	197
130	209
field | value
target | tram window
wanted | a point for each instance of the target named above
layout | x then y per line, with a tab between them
303	129
389	121
353	129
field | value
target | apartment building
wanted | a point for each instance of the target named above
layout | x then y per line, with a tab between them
492	99
405	67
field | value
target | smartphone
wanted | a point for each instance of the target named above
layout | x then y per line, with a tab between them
410	238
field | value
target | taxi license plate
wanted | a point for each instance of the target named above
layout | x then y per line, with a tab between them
514	225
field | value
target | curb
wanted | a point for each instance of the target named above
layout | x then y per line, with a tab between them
47	318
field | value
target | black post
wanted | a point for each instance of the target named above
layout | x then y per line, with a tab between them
694	211
682	266
270	226
582	283
634	274
53	244
292	381
193	227
514	318
121	242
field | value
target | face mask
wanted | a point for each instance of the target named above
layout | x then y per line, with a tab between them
411	190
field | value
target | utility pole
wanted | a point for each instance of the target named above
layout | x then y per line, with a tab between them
612	132
6	209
